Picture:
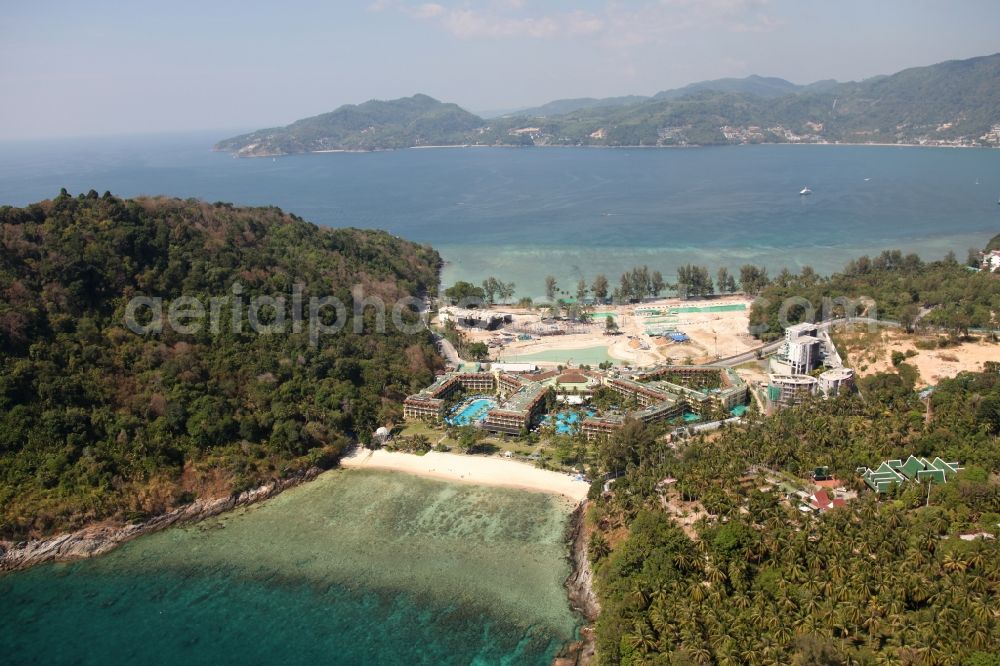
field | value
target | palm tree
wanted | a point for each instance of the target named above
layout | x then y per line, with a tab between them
715	574
639	597
598	547
751	654
953	562
642	637
697	592
740	601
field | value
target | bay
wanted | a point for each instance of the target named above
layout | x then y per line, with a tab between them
521	214
356	567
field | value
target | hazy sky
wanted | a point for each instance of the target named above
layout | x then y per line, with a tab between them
104	67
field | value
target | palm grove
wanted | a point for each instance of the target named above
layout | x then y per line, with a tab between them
700	559
634	285
753	580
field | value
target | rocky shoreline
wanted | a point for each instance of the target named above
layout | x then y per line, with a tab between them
99	539
580	590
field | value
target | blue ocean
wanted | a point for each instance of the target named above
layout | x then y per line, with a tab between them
520	214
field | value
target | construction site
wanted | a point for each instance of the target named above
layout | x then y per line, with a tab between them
665	331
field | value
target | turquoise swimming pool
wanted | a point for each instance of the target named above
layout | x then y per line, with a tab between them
733	307
566	420
471	411
587	355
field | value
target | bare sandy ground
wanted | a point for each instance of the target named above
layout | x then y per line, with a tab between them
713	334
875	355
619	347
487	471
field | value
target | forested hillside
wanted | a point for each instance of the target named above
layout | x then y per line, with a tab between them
97	421
891	286
375	125
994	243
953	100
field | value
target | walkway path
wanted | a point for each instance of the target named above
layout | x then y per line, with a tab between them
448	350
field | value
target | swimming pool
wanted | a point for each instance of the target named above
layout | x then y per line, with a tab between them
735	307
472	411
587	355
566	420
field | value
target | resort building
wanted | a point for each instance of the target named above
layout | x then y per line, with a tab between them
787	390
513	367
730	392
518	411
660	394
642	394
895	472
508	383
484	319
801	351
803	355
422	407
662	397
990	261
429	404
833	381
806	348
596	427
573	386
821	502
521	400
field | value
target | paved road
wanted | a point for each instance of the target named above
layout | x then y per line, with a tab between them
444	345
715	425
448	349
771	347
751	355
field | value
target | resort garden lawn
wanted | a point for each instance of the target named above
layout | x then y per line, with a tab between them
439	434
411	428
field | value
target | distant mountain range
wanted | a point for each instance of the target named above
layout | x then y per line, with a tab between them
950	103
767	87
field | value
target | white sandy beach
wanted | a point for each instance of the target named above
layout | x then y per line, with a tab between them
491	471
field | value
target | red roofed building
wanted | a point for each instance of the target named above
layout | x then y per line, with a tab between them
572	378
821	501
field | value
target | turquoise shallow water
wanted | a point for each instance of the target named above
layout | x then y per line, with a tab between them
358	567
585	356
520	214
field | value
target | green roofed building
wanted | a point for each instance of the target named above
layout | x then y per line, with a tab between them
821	473
894	472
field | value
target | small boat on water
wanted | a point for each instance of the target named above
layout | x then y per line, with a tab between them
805	191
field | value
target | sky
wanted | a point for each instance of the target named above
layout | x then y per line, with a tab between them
70	68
